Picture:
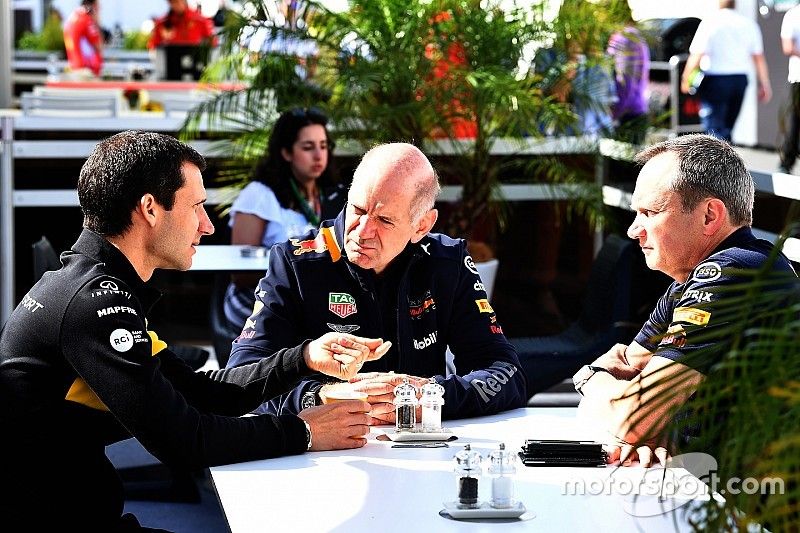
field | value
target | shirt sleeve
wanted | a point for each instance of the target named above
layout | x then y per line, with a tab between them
700	39
758	40
276	321
690	322
489	375
787	30
276	314
257	199
104	338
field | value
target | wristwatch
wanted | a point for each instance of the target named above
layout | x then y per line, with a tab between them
583	375
311	397
308	435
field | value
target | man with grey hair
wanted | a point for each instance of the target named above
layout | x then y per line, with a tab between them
694	205
377	270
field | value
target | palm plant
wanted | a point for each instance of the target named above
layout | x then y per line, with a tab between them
452	76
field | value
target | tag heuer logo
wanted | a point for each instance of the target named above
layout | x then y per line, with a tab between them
341	304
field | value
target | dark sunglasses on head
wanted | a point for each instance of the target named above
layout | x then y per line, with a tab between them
310	112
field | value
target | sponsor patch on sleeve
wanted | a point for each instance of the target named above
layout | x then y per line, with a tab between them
483	306
691	315
675	336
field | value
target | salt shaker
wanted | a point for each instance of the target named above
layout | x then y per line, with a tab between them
405	406
502	468
432	401
468	470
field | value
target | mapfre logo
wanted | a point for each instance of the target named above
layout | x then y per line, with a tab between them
121	340
116	309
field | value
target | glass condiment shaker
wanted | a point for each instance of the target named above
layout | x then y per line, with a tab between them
432	401
405	406
502	468
468	471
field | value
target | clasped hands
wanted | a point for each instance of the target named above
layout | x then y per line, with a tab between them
625	451
379	388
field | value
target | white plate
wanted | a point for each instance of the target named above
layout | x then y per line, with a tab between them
410	436
484	511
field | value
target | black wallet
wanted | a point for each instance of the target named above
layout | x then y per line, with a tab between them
562	453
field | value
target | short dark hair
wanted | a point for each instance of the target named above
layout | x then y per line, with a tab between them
125	167
708	167
274	171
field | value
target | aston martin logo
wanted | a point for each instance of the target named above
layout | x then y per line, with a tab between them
343	328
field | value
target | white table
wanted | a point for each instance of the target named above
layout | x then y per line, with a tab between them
227	257
380	489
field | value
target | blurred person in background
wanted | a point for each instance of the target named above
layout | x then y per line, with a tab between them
790	42
83	38
723	47
182	25
628	48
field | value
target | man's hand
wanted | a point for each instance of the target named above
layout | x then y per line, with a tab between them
342	355
380	389
625	454
619	364
338	426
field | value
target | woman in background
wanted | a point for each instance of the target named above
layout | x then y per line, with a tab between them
293	188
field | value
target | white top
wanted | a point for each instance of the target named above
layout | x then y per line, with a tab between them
228	258
728	41
790	29
258	199
382	489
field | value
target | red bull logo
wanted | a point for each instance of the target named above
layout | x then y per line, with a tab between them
312	245
418	310
341	304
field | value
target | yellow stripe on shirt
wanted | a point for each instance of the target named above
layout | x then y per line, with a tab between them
82	394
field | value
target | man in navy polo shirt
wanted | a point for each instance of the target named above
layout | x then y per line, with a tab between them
694	207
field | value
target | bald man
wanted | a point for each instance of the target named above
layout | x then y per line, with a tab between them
377	271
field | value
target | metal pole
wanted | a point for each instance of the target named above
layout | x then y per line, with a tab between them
6	218
6	36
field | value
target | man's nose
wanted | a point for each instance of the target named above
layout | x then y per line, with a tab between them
636	229
206	227
366	227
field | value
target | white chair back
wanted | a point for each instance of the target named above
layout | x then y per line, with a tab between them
70	106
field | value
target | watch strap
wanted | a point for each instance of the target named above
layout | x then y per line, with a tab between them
308	435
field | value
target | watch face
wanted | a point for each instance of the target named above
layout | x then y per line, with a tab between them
309	400
582	376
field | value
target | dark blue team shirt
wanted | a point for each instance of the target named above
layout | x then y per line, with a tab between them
688	320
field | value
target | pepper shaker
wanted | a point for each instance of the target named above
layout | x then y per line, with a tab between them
405	406
468	470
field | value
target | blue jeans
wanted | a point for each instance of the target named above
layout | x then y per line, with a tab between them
720	102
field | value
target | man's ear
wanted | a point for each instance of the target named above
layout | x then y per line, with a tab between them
424	225
715	215
149	209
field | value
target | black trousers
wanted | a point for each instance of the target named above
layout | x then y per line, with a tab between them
789	149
